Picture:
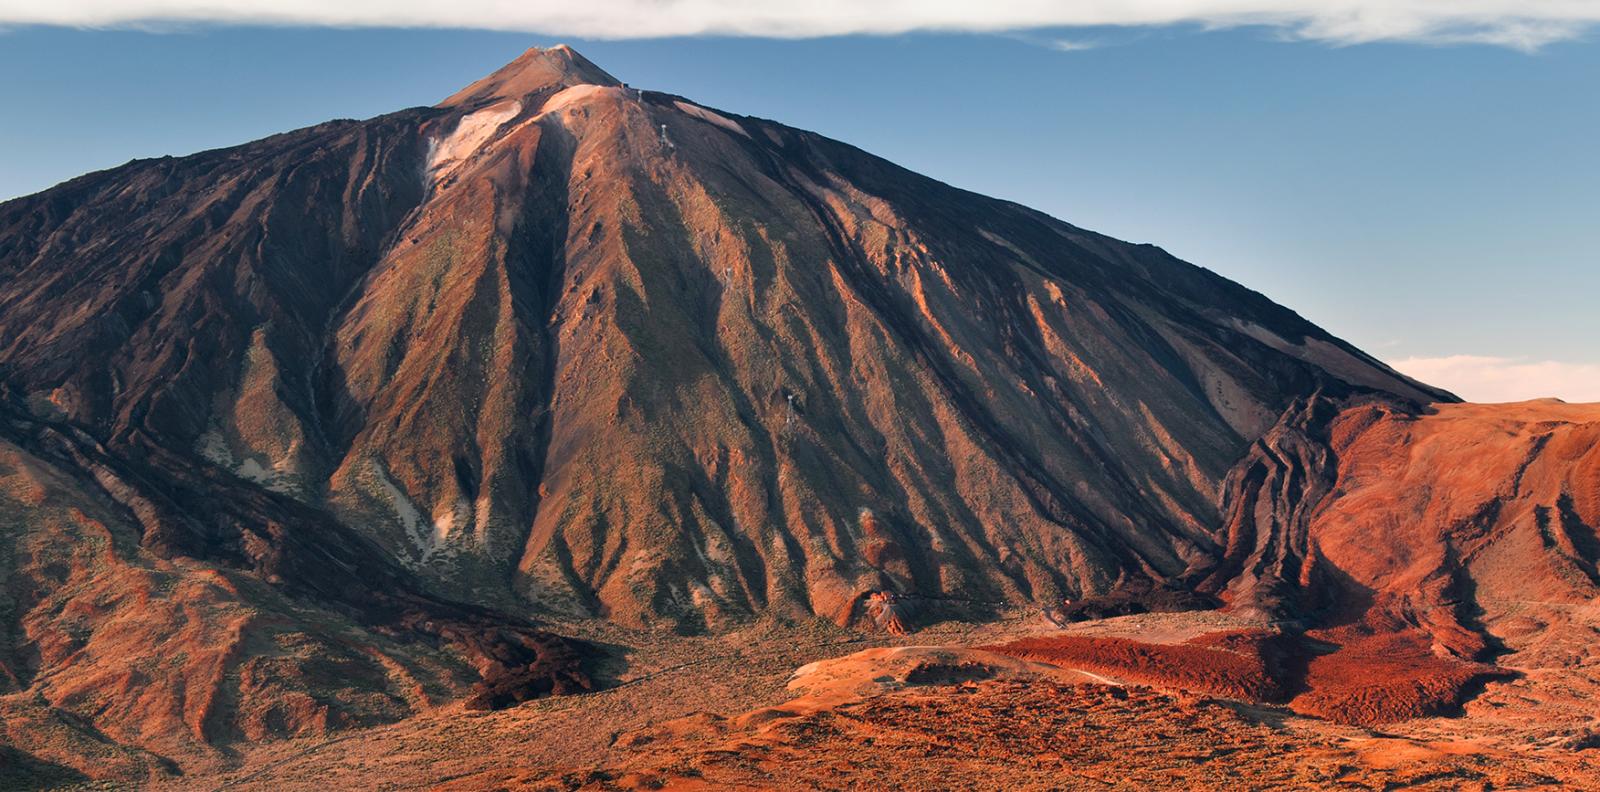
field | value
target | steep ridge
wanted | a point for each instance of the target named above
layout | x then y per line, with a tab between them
1267	504
558	346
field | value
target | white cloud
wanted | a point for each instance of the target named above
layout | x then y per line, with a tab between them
1073	45
1523	24
1497	379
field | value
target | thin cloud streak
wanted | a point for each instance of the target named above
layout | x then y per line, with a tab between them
1520	24
1073	45
1482	378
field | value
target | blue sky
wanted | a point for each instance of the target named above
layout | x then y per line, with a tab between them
1437	204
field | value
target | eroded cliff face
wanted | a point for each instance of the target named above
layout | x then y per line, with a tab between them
561	347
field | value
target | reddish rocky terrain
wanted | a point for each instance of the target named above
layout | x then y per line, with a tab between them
320	438
1038	736
1431	533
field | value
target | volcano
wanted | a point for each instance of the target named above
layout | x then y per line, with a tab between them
331	428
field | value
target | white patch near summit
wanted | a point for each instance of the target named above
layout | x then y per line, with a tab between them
567	96
446	154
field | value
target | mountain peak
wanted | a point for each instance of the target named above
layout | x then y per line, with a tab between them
535	71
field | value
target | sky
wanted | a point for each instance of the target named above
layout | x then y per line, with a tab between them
1424	186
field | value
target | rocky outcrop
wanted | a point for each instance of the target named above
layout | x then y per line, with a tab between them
1268	500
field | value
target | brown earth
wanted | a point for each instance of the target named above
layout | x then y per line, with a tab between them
731	709
1370	679
1133	597
1375	679
1239	665
983	724
1017	735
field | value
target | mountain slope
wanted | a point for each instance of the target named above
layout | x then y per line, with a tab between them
560	347
564	345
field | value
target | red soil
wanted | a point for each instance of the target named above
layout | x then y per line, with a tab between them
1034	736
1368	677
1379	678
1237	665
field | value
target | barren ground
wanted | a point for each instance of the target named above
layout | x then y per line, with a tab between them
718	712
